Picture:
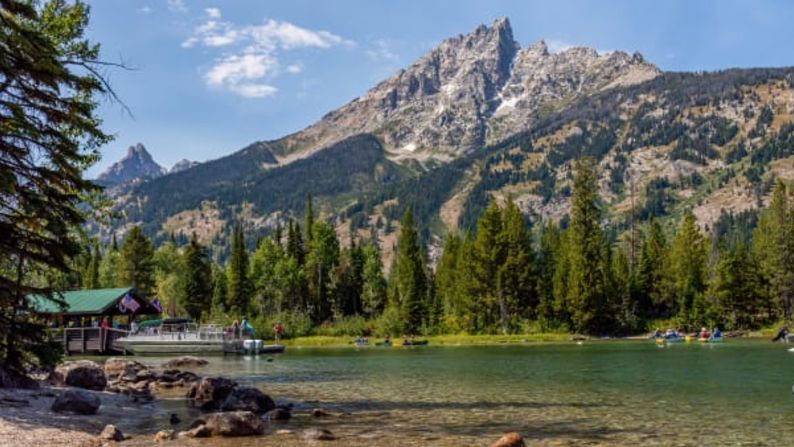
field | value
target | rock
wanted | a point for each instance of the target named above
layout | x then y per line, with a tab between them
317	434
200	431
82	374
187	361
164	435
174	419
111	433
511	439
278	414
119	368
231	423
320	413
248	399
76	401
210	393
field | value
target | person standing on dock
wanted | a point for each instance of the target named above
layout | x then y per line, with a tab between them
277	329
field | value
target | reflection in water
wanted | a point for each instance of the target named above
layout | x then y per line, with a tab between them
625	393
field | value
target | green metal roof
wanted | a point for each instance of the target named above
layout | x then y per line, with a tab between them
79	301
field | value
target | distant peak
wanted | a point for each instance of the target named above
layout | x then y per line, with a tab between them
540	48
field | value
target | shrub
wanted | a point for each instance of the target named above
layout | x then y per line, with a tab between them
295	324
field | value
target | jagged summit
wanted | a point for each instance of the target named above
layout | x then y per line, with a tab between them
138	164
465	91
182	165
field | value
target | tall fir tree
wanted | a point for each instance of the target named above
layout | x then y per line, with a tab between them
490	254
322	258
655	299
198	279
295	246
689	271
239	287
220	293
137	266
587	289
409	280
373	289
92	273
309	219
109	268
548	253
515	278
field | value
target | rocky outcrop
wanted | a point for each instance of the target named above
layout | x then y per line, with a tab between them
81	374
210	393
164	435
138	165
76	401
230	423
248	399
511	439
187	361
139	381
122	369
182	165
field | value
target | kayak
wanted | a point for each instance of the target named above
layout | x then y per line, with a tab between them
668	340
710	340
383	344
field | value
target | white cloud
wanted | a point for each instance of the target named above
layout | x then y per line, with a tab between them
382	52
558	46
144	10
176	6
251	59
213	13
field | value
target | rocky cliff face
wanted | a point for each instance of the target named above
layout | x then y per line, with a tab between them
464	92
137	165
182	165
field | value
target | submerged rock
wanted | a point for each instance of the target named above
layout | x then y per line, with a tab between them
210	393
317	434
228	423
82	374
511	439
187	361
111	433
278	414
248	399
76	401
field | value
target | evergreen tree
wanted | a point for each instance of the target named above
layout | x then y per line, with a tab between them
546	266
689	274
263	276
321	260
736	289
309	220
137	268
653	281
169	276
373	293
109	266
198	279
92	274
515	278
490	255
295	242
409	281
239	286
782	226
587	294
447	282
220	297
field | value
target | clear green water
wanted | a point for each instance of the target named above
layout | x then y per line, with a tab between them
620	392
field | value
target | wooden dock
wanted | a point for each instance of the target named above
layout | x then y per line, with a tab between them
92	340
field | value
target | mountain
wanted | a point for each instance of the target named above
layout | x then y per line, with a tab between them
480	118
138	165
182	165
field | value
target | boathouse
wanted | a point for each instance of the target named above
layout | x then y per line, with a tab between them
77	318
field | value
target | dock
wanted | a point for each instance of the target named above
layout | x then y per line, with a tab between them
92	340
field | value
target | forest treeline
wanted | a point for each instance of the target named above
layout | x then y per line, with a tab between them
509	275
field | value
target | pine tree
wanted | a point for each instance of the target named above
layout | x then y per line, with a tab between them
409	281
295	242
782	226
515	278
198	279
546	266
239	286
219	291
587	294
490	255
169	276
736	289
689	274
447	282
137	267
653	280
263	276
373	293
322	258
309	220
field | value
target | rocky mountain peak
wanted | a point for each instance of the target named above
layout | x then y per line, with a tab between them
462	92
137	164
182	165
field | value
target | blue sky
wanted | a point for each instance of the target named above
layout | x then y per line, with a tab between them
209	77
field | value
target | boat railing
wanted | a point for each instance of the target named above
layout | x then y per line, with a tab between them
183	331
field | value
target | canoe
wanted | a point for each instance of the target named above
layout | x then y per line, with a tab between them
383	344
415	343
668	340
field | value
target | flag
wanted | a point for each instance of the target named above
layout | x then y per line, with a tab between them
156	304
130	303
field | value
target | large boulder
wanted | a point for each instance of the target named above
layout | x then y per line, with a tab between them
210	393
511	439
82	374
229	423
187	361
248	399
122	369
76	401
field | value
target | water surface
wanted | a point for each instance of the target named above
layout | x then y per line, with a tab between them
615	392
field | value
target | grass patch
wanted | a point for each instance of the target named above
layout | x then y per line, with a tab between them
435	340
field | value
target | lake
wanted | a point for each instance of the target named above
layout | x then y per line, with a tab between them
605	392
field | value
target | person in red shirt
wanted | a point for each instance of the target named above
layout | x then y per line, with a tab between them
105	323
277	329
